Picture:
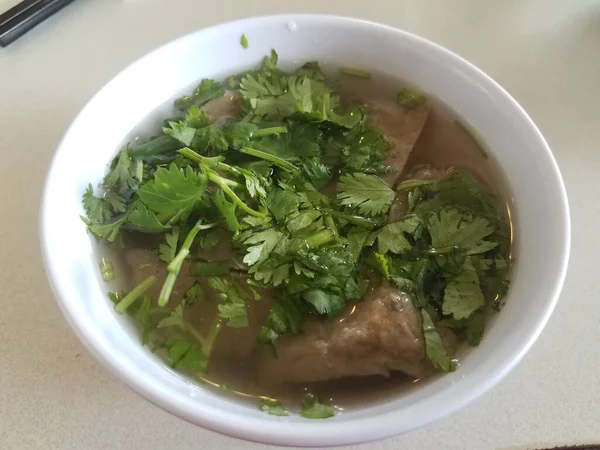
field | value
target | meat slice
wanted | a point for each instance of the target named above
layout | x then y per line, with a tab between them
223	108
382	334
402	126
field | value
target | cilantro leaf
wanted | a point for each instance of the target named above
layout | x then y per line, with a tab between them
174	319
227	210
116	202
244	41
238	134
208	240
168	250
282	203
462	295
96	209
381	263
196	118
235	313
317	173
434	347
184	355
475	328
460	191
207	90
260	245
453	228
312	409
273	408
325	302
181	131
356	240
209	138
154	150
193	295
300	220
393	238
284	316
144	219
107	230
120	175
233	302
363	148
173	190
368	193
255	184
312	70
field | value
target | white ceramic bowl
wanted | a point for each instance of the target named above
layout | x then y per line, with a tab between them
542	227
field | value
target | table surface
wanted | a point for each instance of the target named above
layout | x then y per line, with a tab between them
53	395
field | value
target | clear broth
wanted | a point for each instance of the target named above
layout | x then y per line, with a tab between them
442	145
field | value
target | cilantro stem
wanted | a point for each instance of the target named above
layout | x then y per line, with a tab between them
356	220
233	184
134	294
210	339
206	343
332	226
312	242
268	157
191	330
220	181
269	131
440	250
215	162
139	170
356	72
174	266
409	184
319	239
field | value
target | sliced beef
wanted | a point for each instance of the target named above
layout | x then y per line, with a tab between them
402	126
381	334
223	108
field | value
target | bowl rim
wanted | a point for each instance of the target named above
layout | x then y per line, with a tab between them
313	434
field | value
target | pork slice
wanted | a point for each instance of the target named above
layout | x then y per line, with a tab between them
402	126
382	334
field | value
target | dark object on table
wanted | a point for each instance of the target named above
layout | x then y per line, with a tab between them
21	18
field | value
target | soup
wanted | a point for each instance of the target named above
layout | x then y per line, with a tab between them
305	243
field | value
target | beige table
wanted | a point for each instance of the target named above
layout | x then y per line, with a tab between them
53	395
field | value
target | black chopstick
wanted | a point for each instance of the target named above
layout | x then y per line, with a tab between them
21	18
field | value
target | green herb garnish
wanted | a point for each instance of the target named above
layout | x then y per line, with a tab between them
356	72
410	98
312	409
273	408
289	184
107	270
